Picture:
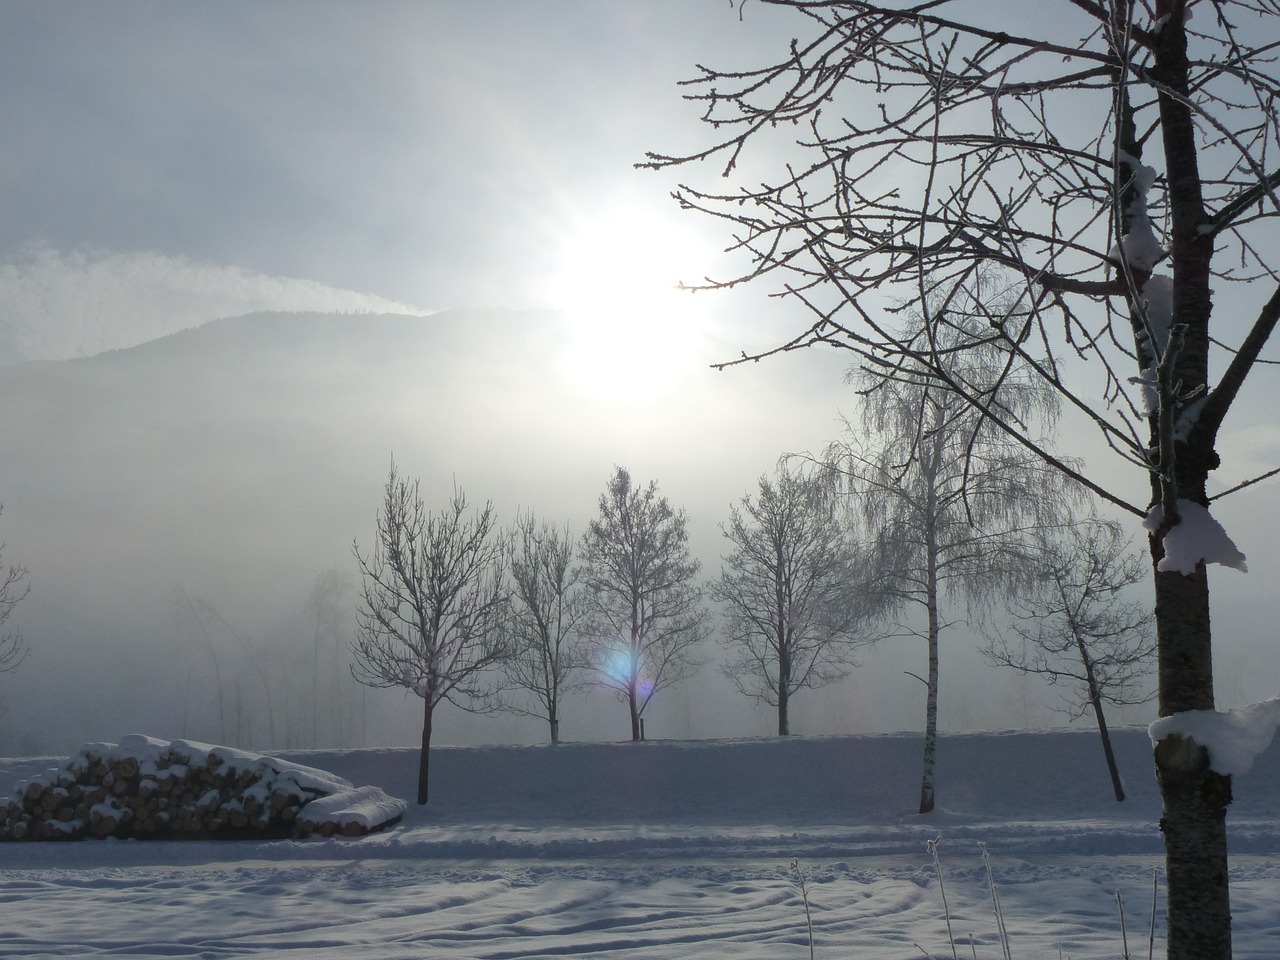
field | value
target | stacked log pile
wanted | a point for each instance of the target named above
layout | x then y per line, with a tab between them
148	788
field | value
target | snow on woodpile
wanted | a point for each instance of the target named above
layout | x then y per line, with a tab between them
143	787
351	813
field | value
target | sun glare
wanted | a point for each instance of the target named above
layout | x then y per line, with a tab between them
633	332
618	666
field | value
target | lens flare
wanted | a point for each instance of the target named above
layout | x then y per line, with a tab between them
619	666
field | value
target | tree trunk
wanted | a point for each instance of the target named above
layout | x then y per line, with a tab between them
424	754
555	729
635	713
930	721
1194	820
1195	798
931	704
784	682
633	674
1095	699
1116	783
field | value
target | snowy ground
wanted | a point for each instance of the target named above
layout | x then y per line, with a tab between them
664	850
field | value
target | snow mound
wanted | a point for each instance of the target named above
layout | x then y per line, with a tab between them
144	787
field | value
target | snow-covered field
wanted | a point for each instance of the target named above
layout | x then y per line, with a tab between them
674	849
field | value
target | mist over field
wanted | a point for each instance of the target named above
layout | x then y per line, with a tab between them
184	477
187	509
187	506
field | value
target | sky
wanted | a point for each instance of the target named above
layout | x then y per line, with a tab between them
168	164
420	153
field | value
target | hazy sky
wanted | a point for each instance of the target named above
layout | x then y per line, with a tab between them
167	163
436	154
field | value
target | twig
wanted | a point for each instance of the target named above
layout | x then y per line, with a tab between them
1248	483
1151	942
946	909
804	895
1124	934
995	903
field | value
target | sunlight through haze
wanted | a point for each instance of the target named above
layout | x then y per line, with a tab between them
634	332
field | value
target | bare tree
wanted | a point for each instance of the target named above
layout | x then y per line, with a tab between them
946	500
432	605
286	689
254	690
1073	629
546	611
13	588
335	719
790	587
1118	160
645	617
199	614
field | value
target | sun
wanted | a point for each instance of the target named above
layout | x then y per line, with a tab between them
632	331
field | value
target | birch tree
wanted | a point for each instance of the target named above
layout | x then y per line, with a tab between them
947	502
432	605
793	610
645	617
1118	160
1072	626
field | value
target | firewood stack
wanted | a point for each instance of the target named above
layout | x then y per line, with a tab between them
148	788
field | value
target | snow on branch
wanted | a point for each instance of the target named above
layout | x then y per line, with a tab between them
1139	246
1234	738
1197	536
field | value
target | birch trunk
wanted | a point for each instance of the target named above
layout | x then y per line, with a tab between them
931	705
